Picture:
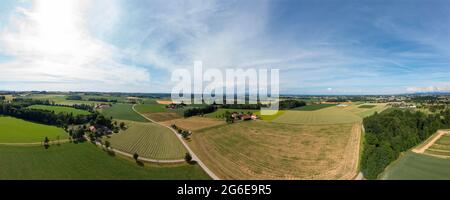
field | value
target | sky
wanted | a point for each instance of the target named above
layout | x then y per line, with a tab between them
320	47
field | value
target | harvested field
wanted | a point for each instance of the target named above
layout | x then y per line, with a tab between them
194	123
265	150
314	107
365	110
160	117
164	102
331	115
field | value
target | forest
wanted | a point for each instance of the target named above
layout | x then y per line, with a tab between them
394	131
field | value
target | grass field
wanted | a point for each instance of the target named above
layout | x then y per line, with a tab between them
59	99
151	108
60	109
148	140
265	150
330	115
83	161
13	130
194	123
123	112
314	107
413	166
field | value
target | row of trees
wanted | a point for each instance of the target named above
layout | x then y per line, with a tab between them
74	97
243	106
183	133
291	103
394	131
103	100
199	111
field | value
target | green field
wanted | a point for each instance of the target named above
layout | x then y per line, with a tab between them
151	108
314	107
330	115
82	161
123	112
413	166
148	140
13	130
60	109
59	99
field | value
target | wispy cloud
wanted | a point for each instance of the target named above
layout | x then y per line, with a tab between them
351	47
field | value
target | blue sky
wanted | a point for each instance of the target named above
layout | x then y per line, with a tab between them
320	47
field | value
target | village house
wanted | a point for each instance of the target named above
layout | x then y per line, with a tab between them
175	106
243	117
101	106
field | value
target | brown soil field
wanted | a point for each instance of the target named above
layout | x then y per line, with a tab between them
194	123
265	150
164	102
159	117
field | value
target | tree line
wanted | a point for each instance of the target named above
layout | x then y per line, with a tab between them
394	131
103	100
18	108
283	105
199	111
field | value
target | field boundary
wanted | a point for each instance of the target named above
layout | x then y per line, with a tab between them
194	156
37	143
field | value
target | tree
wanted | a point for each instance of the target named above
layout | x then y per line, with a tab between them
122	125
188	157
46	143
107	144
136	156
185	134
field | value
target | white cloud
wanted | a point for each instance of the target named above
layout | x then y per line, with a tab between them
441	87
50	43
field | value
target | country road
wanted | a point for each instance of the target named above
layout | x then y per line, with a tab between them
194	156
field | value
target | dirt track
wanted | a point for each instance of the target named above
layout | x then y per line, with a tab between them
423	148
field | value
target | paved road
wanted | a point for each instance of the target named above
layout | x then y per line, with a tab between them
194	156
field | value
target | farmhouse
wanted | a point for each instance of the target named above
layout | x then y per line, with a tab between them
175	106
100	130
101	106
244	117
